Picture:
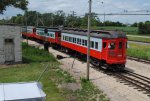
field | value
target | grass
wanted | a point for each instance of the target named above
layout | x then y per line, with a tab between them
34	62
128	30
139	51
89	92
141	39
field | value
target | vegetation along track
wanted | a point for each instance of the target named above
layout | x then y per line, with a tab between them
139	59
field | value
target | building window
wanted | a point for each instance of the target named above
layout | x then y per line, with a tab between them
9	40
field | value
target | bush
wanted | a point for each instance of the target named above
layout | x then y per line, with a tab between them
144	28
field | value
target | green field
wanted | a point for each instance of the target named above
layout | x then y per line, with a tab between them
141	39
34	63
139	51
129	31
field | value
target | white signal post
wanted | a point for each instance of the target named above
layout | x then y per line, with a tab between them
88	35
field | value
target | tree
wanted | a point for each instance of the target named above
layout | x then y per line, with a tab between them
22	4
134	25
144	28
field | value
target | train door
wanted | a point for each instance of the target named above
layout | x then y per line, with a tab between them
9	50
120	49
105	49
58	37
112	47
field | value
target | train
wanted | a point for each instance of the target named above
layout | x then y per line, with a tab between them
107	48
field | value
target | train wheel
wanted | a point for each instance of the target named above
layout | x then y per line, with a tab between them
95	62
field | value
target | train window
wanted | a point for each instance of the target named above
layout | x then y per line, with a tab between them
83	42
112	46
92	44
70	39
104	44
66	38
80	41
120	45
75	40
45	30
96	45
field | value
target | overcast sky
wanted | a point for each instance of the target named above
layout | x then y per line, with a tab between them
81	7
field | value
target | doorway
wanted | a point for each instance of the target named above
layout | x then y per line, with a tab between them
9	50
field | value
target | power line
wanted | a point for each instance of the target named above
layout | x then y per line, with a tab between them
124	14
73	13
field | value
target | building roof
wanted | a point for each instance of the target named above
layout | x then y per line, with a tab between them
20	91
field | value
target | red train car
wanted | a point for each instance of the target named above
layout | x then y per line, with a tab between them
107	47
28	32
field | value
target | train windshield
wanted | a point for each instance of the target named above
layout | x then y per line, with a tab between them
120	45
112	46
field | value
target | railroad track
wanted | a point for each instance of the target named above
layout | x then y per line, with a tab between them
141	83
139	59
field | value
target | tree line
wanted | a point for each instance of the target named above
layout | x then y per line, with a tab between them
59	18
143	27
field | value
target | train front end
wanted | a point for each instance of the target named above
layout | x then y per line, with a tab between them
117	48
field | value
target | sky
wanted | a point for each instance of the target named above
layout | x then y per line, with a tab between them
81	7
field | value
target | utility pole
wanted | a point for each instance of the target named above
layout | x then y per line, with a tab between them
88	42
73	13
26	18
73	18
104	12
37	24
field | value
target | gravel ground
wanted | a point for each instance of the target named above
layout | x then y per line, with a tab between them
112	87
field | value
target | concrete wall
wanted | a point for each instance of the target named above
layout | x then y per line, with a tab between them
13	32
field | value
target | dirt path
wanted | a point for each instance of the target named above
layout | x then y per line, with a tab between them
111	86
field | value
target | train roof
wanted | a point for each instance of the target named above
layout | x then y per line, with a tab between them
98	33
94	33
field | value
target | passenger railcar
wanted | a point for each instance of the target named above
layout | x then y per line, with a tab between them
28	32
106	47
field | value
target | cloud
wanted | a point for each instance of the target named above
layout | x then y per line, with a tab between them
81	7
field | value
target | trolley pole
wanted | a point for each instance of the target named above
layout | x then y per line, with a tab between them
88	34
